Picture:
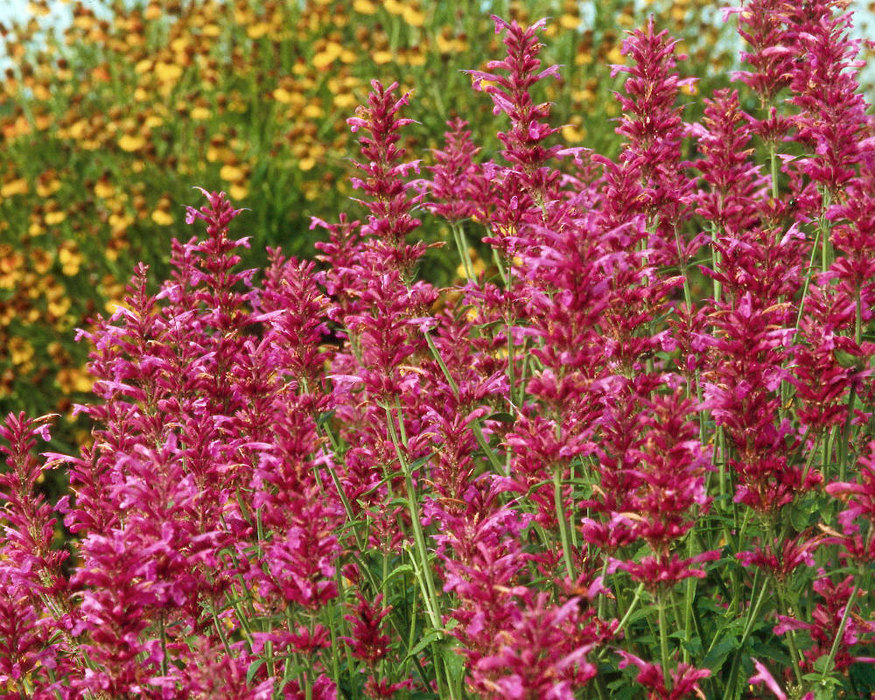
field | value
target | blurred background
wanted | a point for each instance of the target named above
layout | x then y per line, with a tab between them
111	110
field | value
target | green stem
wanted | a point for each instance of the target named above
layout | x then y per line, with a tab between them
827	667
663	635
753	615
425	578
795	656
464	252
636	598
563	524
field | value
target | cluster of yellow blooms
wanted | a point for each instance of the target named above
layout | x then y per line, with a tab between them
108	122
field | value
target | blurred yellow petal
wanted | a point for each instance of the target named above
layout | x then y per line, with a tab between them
53	218
256	31
393	7
345	101
237	192
382	57
414	16
103	189
306	164
312	111
572	134
364	7
168	72
282	96
231	173
131	142
327	55
14	187
615	56
83	382
568	21
200	114
161	217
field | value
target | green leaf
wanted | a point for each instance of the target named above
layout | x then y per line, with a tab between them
719	652
253	669
823	664
502	417
428	639
396	572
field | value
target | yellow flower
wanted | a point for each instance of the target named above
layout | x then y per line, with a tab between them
364	7
569	21
616	56
393	7
131	142
256	31
53	218
200	114
57	307
573	133
231	173
161	217
70	258
312	111
20	350
41	260
238	192
382	57
345	101
74	379
14	187
103	189
168	72
48	188
327	55
414	16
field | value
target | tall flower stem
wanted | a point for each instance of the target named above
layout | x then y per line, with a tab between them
663	634
753	615
563	523
795	657
827	667
424	574
464	251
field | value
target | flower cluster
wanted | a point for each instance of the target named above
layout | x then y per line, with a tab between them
633	457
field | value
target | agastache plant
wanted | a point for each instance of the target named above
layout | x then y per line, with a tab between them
633	458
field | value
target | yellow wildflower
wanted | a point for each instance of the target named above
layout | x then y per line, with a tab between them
161	217
364	7
131	142
14	187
